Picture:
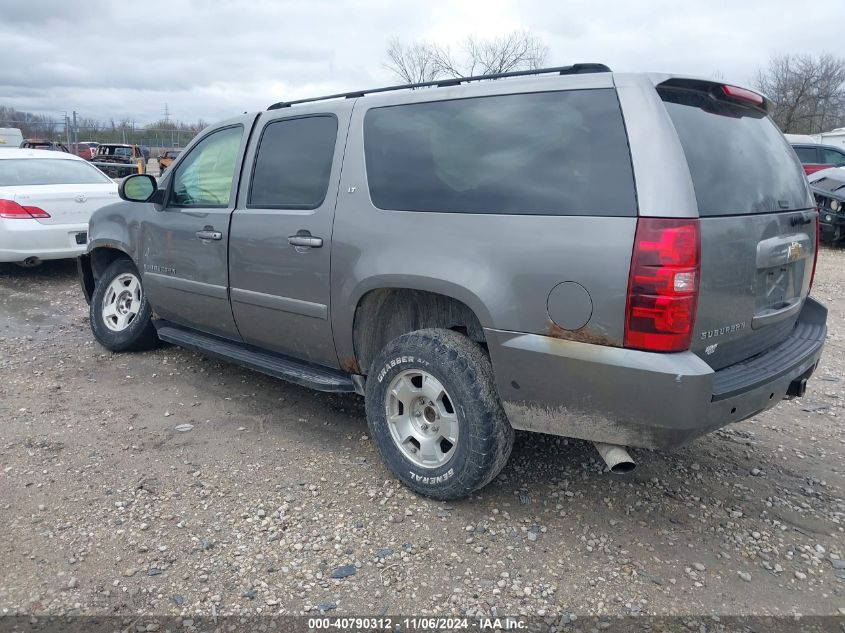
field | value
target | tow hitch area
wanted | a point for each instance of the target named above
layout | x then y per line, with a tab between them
798	387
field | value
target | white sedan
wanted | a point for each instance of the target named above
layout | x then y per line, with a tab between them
46	200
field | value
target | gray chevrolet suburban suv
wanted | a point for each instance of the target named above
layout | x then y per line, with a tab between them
623	258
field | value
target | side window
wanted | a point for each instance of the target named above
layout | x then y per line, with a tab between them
541	153
204	178
294	163
806	155
833	157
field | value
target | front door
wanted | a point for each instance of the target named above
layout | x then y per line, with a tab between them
184	244
279	253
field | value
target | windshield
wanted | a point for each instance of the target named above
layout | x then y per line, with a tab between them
739	161
16	172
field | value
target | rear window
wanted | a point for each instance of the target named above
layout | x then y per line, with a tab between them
107	150
739	161
15	172
549	153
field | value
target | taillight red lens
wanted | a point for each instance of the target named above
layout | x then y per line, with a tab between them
663	285
11	210
818	244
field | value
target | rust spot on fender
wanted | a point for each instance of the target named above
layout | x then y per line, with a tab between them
350	365
585	335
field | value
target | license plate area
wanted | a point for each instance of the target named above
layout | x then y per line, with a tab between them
778	286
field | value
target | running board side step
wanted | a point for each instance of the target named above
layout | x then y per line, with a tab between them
296	371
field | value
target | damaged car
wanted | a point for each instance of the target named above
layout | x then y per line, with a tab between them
118	160
828	187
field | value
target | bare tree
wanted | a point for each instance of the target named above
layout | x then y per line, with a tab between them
423	61
412	63
808	92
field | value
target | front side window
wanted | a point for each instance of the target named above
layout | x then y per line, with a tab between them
294	163
205	177
542	153
807	155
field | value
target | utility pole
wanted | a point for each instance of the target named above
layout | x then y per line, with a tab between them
75	133
67	129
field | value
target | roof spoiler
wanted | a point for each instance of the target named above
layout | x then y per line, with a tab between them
722	92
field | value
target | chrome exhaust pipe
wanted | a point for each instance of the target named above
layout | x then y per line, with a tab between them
616	457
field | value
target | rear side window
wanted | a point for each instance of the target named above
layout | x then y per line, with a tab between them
833	157
739	161
548	153
806	155
294	163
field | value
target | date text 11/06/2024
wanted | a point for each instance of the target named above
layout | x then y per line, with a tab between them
416	624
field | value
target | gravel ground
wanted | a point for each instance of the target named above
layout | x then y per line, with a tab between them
275	500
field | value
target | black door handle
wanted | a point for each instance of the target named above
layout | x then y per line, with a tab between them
209	235
304	239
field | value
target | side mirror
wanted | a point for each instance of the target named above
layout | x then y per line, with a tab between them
138	188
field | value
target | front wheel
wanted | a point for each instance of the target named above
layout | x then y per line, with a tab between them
121	317
433	411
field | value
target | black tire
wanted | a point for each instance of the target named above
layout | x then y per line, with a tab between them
485	437
139	334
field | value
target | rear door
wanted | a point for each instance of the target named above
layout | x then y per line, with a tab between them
280	248
757	218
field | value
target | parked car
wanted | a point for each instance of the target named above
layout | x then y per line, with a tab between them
478	257
85	149
10	137
119	160
828	187
46	199
815	157
40	143
166	158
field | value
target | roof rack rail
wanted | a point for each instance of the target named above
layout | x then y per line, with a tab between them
574	69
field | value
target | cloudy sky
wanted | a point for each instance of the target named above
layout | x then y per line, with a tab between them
211	59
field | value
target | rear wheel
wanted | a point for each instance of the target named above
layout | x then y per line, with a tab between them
433	411
121	317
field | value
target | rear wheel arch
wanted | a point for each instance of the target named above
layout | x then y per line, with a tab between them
383	314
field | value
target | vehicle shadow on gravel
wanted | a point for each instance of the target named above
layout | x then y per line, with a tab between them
54	270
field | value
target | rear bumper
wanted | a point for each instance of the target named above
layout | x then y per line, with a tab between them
20	239
633	398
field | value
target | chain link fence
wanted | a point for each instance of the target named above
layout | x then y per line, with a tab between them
157	139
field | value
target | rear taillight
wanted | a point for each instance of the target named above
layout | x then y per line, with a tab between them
11	210
818	243
663	285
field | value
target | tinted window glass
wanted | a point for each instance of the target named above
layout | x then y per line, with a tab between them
294	163
204	178
16	172
833	157
550	153
806	155
739	161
